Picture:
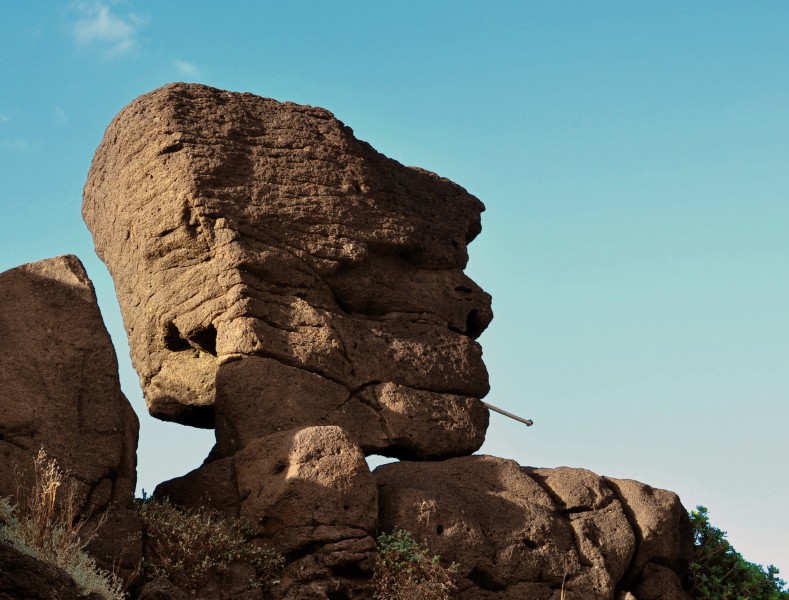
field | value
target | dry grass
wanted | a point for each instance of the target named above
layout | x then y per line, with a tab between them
187	546
48	529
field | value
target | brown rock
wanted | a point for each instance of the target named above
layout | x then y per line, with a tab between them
213	485
604	536
233	582
661	524
162	589
238	227
308	493
306	485
484	513
25	577
657	582
520	532
259	396
335	570
60	391
422	425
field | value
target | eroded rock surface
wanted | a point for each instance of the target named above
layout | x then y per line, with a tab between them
308	492
249	239
283	282
519	532
59	390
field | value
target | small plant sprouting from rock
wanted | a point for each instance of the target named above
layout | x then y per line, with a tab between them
48	529
189	544
404	570
719	572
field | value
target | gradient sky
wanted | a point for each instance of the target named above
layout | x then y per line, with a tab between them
632	157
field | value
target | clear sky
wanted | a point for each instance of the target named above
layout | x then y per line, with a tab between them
632	157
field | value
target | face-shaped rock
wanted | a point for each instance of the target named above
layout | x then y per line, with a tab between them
269	262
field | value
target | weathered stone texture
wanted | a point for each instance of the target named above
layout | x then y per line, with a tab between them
306	491
283	282
241	231
519	532
59	390
256	396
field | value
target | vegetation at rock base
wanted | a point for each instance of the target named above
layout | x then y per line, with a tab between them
48	529
404	570
719	572
189	544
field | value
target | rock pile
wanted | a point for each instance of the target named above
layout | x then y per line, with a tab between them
289	286
286	283
520	532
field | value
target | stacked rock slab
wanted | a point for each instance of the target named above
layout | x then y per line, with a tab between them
286	284
274	272
59	391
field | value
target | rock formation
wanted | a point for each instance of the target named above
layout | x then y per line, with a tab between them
272	266
520	532
306	488
283	282
60	391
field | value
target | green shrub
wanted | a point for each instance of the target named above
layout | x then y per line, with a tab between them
404	570
47	529
190	544
719	572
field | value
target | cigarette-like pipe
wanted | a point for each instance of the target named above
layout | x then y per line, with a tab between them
527	422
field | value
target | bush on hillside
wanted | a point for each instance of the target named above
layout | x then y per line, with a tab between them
719	572
189	544
404	570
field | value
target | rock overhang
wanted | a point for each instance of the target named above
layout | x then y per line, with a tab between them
241	229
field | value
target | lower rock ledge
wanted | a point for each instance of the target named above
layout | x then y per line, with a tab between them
515	533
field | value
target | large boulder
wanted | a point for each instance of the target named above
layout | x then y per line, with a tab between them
251	240
520	532
59	391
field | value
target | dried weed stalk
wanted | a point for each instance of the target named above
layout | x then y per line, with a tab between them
50	530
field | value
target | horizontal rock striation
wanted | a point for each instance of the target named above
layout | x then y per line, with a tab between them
248	237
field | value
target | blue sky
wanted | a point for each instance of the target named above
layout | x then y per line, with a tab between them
632	158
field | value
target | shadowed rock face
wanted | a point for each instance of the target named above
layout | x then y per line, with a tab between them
23	576
270	264
59	390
